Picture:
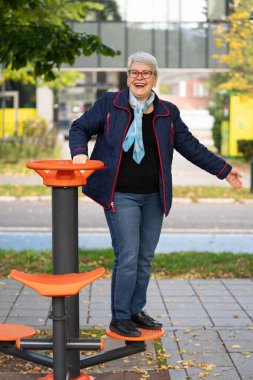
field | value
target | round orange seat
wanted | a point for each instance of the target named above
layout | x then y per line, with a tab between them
145	335
57	285
9	332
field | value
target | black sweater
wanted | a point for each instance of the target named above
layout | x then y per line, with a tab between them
141	178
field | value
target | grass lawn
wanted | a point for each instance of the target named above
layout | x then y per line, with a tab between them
193	192
173	265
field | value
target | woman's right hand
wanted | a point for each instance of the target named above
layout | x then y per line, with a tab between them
80	159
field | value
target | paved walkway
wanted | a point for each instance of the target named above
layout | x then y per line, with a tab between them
208	325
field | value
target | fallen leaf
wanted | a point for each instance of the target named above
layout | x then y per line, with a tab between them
203	375
245	353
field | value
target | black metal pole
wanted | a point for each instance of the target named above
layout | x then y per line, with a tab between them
65	258
33	357
59	339
117	353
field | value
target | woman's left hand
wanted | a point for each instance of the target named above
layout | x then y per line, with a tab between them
234	179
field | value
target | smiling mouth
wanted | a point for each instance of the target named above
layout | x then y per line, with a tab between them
139	85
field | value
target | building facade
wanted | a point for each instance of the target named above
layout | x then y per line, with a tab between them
179	33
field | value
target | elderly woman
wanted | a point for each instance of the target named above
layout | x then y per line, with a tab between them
136	133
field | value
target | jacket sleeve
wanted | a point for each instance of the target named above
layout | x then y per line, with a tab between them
88	125
190	147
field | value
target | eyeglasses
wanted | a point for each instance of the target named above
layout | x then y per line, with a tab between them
146	74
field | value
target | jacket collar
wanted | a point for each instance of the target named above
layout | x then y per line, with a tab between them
121	100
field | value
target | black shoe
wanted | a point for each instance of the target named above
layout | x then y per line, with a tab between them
124	327
143	320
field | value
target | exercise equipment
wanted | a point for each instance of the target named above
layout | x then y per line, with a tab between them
63	287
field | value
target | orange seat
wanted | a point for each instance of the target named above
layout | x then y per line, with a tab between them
9	332
145	335
57	285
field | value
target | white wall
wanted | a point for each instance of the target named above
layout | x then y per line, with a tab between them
45	103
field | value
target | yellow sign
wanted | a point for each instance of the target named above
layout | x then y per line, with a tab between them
241	122
9	119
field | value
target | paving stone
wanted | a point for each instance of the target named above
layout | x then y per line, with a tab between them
31	321
181	300
227	314
169	340
191	322
7	298
199	341
4	311
219	299
220	359
188	314
244	365
100	314
42	305
95	321
219	307
237	281
232	322
177	375
237	341
17	313
221	373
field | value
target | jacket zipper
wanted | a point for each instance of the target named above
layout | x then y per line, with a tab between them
107	123
113	208
171	133
120	158
161	165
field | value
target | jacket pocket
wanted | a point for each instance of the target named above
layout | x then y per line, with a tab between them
172	134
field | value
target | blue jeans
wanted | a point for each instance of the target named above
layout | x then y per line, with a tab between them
135	229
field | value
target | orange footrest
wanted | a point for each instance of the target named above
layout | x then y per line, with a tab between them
9	332
82	376
57	285
145	335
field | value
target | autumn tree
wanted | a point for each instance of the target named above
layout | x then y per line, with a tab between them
237	35
36	36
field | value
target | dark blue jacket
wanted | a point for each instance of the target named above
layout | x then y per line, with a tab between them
109	118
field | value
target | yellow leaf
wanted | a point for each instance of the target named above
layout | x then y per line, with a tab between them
236	346
247	354
203	375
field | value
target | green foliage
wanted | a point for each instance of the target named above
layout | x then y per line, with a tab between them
216	106
246	148
237	35
36	141
37	34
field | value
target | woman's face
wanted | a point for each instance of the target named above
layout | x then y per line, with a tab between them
140	87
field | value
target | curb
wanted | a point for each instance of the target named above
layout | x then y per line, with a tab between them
47	198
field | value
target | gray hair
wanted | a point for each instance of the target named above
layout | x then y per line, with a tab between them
142	57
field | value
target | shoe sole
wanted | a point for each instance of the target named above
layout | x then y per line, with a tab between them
120	333
147	328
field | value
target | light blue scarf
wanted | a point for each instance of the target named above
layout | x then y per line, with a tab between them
134	134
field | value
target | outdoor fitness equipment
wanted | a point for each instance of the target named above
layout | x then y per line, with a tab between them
64	285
